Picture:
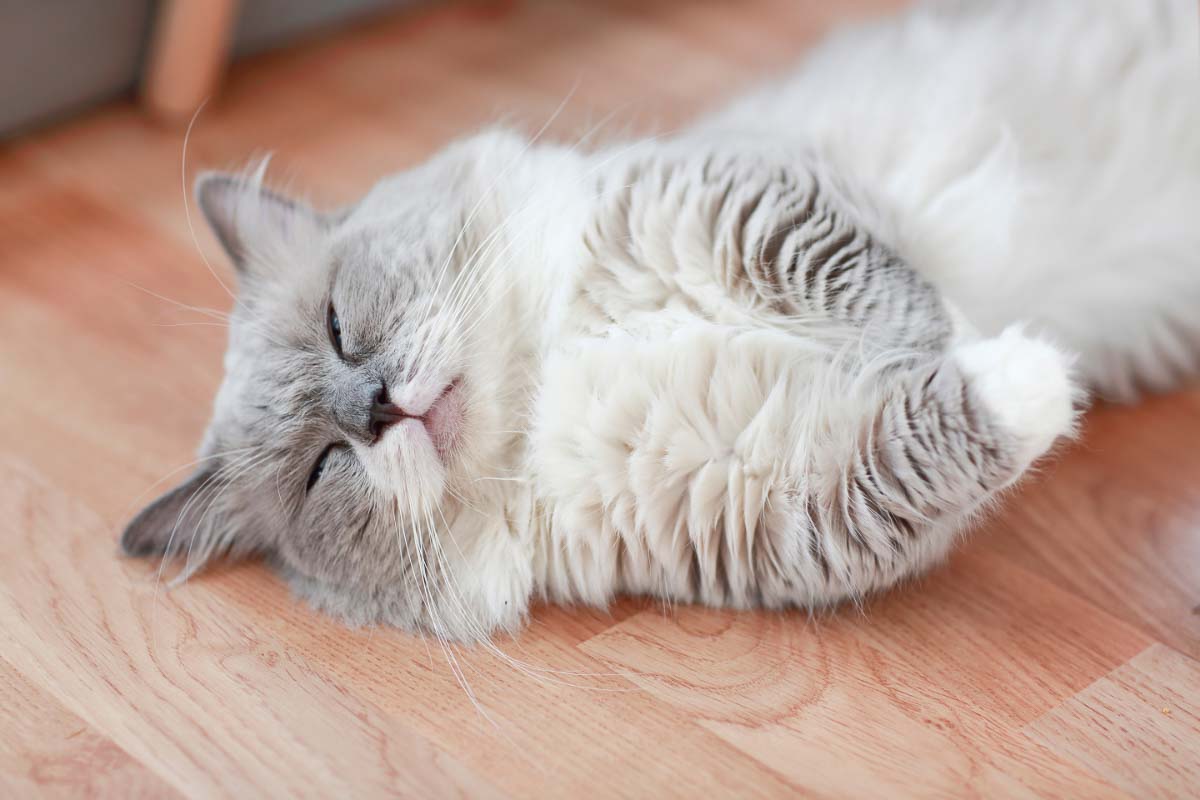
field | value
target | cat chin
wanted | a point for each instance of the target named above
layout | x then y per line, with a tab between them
480	588
406	463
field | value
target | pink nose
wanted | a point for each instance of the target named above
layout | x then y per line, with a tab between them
384	414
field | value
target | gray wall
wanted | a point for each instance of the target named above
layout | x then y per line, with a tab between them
264	24
60	57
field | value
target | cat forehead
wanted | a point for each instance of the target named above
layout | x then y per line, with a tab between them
376	255
405	236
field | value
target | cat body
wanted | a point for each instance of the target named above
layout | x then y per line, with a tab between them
773	361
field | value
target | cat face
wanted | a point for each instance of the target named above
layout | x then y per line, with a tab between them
355	397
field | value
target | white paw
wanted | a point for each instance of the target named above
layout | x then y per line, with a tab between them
1027	384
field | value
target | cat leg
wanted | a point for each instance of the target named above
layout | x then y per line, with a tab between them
901	473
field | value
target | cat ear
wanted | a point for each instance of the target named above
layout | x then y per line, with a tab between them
249	219
168	525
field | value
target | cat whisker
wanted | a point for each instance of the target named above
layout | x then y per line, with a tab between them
482	637
223	454
478	281
486	194
187	209
438	627
211	545
209	312
169	547
189	325
478	284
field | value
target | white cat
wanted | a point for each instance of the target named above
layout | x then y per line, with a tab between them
778	360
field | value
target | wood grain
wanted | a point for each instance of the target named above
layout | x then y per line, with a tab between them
1136	727
884	691
48	751
1036	662
161	677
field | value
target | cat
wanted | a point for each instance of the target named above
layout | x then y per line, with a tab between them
781	359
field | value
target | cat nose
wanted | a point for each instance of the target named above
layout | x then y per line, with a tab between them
383	414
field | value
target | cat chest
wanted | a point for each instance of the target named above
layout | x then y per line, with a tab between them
651	451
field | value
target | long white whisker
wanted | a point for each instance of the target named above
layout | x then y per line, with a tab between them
209	312
495	183
223	454
482	636
205	486
211	545
187	208
447	648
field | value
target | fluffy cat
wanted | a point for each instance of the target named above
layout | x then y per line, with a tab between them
779	360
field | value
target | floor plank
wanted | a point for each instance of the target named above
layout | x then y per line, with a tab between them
1136	727
47	751
188	693
885	690
1117	518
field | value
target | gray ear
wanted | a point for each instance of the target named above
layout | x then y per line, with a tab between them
167	526
245	215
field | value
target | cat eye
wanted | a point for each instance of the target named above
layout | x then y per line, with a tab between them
318	468
334	328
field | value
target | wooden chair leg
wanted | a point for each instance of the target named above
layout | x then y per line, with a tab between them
190	43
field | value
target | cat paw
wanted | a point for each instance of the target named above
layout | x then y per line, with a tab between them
1026	383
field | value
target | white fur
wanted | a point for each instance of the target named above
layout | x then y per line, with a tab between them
1039	163
1038	159
1025	383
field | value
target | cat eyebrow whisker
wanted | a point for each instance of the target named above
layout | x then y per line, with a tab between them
209	312
190	325
478	282
255	177
187	208
495	184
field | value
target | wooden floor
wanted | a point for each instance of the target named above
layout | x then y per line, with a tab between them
1057	654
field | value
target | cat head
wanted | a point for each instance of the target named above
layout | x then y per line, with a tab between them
363	389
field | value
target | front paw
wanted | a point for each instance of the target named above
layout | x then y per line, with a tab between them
1026	384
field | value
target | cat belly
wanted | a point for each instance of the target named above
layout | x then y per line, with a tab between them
665	465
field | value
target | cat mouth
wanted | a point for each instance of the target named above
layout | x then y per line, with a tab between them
443	419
